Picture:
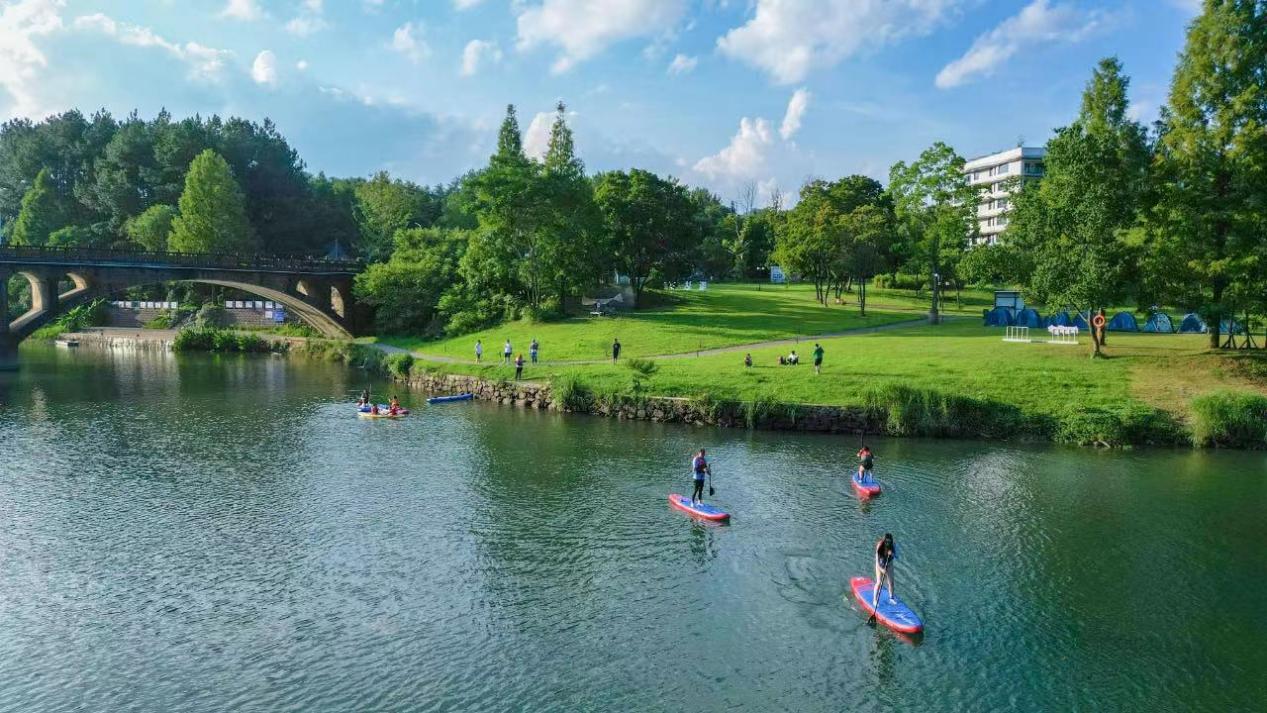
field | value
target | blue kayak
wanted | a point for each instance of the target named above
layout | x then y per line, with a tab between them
895	615
449	399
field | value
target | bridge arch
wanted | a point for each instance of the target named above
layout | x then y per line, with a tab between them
311	314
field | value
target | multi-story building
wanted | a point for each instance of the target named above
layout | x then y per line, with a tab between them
999	175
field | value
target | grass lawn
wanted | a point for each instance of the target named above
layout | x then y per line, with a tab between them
724	315
959	357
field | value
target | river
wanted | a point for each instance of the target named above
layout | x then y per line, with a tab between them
223	534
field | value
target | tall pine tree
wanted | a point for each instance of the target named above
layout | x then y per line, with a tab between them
212	211
41	214
1212	159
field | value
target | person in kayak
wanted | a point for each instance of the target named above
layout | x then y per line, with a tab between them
394	407
374	409
885	553
866	459
700	469
365	398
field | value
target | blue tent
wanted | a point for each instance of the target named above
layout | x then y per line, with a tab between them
1079	322
1123	322
1192	324
1060	319
1160	323
999	317
1230	326
1028	318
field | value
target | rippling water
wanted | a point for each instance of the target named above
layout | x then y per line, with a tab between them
222	534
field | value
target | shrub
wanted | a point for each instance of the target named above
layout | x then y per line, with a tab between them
399	365
211	315
84	316
1133	424
1236	419
572	394
208	339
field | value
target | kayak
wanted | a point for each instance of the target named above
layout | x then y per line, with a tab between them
897	616
864	490
700	510
449	399
367	414
381	407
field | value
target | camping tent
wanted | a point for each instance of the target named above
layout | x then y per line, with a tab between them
1160	323
1123	322
1060	319
1028	318
1192	324
999	317
1079	322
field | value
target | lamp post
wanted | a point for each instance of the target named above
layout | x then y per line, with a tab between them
934	315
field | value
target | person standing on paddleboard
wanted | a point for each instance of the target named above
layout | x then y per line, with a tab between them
866	459
701	470
885	553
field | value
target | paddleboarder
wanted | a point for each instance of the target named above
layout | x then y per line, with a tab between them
885	553
701	470
866	459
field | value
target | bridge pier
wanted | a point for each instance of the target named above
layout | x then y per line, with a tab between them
8	343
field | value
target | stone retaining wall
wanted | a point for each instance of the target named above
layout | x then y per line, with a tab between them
780	417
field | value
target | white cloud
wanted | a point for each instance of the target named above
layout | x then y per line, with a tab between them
463	4
475	52
682	64
796	107
582	29
788	38
406	42
302	65
206	63
310	19
745	156
20	59
1035	23
537	137
264	68
247	10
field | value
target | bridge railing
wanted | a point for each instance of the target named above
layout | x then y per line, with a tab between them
225	261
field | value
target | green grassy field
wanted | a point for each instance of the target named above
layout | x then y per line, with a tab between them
1047	389
724	315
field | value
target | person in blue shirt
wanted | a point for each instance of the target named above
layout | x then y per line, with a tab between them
701	470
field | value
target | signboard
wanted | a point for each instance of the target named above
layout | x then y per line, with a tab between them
279	316
776	275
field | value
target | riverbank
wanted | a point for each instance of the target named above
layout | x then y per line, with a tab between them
955	380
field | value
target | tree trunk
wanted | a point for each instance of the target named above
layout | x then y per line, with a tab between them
862	295
1104	337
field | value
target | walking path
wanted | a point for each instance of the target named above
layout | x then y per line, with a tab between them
789	341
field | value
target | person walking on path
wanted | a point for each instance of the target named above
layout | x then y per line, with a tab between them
506	350
479	351
532	350
519	367
818	358
700	469
615	351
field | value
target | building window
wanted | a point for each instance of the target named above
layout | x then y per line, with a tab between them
1002	169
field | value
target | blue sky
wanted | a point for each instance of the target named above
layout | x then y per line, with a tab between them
721	93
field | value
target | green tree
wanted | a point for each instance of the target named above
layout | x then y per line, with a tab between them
509	254
41	212
73	236
869	235
212	211
650	221
571	244
1072	223
384	206
1212	159
935	208
405	291
151	229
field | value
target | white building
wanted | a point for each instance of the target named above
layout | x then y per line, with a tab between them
999	175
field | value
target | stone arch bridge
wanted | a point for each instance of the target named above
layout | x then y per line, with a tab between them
318	291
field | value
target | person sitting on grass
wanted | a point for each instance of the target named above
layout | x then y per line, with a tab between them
747	361
793	359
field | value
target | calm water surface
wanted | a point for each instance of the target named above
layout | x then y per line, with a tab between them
222	534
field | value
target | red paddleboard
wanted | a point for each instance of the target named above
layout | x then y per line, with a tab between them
700	510
864	490
895	615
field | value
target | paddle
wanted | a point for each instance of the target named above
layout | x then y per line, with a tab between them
711	492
